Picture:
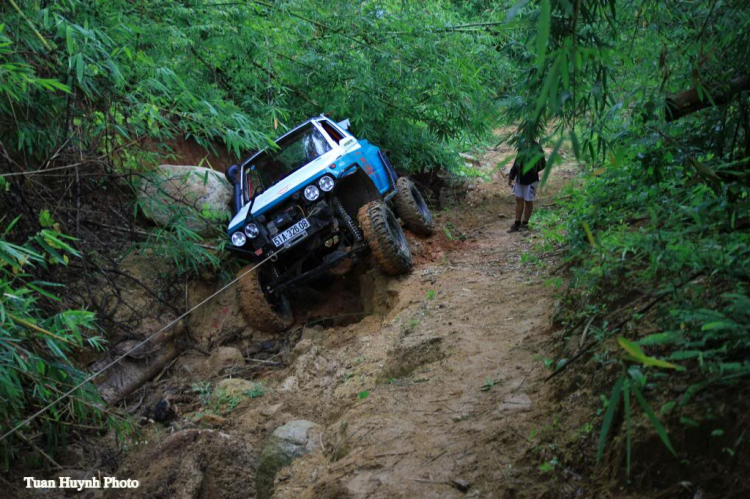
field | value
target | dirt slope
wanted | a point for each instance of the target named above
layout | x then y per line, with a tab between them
453	375
427	420
434	393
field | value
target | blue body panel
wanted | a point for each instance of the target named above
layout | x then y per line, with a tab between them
368	160
363	155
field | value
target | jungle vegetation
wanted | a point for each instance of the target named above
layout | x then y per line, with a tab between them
652	97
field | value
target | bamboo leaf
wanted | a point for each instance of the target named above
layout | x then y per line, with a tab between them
654	420
628	429
79	67
542	35
614	401
636	354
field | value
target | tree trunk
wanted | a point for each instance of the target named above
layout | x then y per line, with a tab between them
689	101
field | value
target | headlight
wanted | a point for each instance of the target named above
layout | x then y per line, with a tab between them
252	231
326	183
239	239
311	193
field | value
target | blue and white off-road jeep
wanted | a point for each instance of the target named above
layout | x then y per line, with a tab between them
315	203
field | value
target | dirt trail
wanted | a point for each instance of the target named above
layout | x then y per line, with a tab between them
433	394
453	376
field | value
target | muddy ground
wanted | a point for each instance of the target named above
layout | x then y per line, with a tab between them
429	385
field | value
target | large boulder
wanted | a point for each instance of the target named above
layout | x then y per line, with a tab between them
293	440
195	196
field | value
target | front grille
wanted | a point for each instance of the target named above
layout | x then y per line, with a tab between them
282	218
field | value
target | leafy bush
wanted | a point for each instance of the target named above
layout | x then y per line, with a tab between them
662	217
679	245
237	73
38	336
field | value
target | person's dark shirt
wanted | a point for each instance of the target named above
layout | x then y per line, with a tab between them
532	175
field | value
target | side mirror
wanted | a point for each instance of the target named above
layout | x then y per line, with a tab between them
344	124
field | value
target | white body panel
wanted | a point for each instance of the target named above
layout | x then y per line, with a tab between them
295	182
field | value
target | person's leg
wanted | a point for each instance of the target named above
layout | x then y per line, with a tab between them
519	214
527	209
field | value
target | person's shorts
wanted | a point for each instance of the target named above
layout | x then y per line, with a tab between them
527	192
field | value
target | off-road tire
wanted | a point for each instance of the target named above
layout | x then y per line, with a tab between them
385	238
259	313
412	209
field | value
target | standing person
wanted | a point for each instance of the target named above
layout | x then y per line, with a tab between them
526	182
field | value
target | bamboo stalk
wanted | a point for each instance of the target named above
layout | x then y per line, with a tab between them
31	25
38	329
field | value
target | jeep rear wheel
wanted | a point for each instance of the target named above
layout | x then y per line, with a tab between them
412	209
261	311
385	238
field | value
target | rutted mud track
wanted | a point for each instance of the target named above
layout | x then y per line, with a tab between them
433	394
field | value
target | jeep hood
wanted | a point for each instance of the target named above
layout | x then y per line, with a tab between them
282	190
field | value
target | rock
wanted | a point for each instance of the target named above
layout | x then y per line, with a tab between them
163	411
470	159
293	440
461	485
518	402
457	418
270	410
200	195
220	358
232	388
290	384
301	348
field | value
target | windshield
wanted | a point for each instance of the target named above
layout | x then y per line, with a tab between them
294	151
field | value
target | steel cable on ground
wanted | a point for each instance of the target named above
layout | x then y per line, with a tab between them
121	357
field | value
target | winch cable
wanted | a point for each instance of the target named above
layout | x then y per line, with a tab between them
118	359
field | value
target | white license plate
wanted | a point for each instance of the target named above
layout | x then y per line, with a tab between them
296	231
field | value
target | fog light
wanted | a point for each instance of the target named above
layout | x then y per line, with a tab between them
239	239
312	193
252	231
326	184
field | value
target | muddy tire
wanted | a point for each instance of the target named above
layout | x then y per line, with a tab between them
274	315
412	209
385	238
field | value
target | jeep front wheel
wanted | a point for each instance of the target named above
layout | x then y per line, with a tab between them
412	209
261	311
385	238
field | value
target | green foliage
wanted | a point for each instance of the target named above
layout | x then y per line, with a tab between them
677	243
203	389
631	382
660	220
38	337
238	73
